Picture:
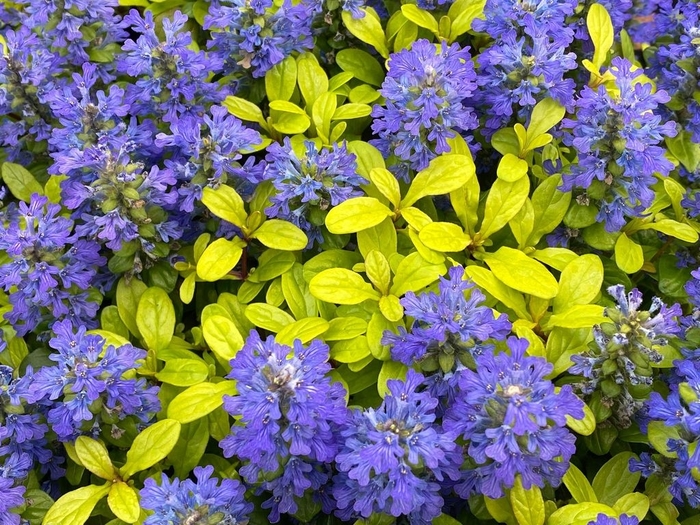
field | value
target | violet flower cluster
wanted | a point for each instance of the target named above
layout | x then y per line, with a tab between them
290	414
514	421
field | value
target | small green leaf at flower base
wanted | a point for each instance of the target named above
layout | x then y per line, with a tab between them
183	372
124	502
222	336
151	446
94	456
20	181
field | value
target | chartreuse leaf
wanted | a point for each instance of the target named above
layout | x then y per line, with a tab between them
614	479
155	317
378	271
225	203
128	295
600	28
368	29
93	456
550	206
679	230
268	317
151	446
501	510
578	485
462	13
414	273
222	336
183	372
281	235
658	434
350	111
527	504
390	307
313	80
629	256
304	329
584	426
511	168
323	109
362	65
244	110
390	370
342	286
580	282
444	237
386	183
281	80
420	17
635	504
124	502
199	400
354	215
509	297
445	173
219	258
190	447
502	204
577	316
75	507
580	513
20	181
545	115
520	272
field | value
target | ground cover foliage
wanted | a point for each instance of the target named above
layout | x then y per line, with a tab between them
349	261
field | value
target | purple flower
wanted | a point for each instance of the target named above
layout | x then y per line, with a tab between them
617	140
520	70
514	422
425	92
308	186
12	496
46	277
256	36
87	384
512	16
208	500
602	519
393	457
289	412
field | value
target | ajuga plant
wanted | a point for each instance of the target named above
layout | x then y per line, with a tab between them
380	262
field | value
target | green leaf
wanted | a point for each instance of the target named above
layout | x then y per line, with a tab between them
304	330
313	81
350	350
509	297
577	316
445	173
550	205
600	28
344	328
222	336
381	237
501	510
578	485
414	273
585	426
580	513
199	400
291	123
420	17
296	293
511	168
124	502
281	235
580	282
354	215
682	232
268	317
323	109
128	295
362	65
386	183
368	29
444	237
528	505
20	181
520	272
462	13
190	447
629	256
225	203
545	115
659	434
378	271
390	370
391	308
341	286
219	258
281	80
666	512
75	507
502	204
244	110
94	456
151	446
155	317
614	479
634	504
39	502
183	372
351	111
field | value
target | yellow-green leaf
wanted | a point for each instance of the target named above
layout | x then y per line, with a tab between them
502	204
222	336
528	504
124	502
93	456
600	28
341	286
151	446
629	256
511	168
281	235
354	215
225	203
445	173
580	282
75	507
386	183
444	237
199	400
520	272
219	258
